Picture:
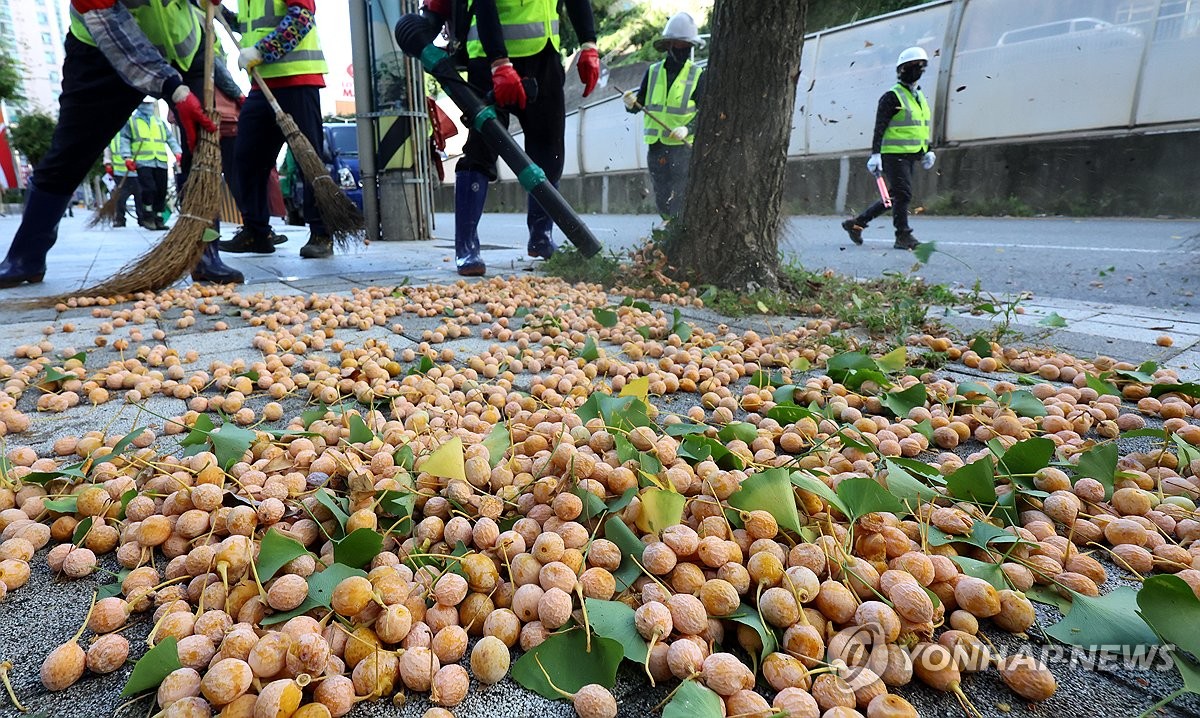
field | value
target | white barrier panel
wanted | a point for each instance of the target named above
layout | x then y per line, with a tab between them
798	143
613	138
1171	75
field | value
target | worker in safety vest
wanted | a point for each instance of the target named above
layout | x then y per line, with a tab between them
510	40
126	181
117	52
279	39
669	96
902	138
146	145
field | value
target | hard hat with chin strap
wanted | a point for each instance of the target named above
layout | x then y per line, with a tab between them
681	26
912	54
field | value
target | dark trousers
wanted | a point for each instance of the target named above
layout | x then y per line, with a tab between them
153	196
898	171
543	120
669	166
258	143
124	189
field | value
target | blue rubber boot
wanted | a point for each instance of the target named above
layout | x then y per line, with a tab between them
210	268
26	260
541	231
470	193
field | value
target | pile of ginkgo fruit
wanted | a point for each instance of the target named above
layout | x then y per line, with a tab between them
792	542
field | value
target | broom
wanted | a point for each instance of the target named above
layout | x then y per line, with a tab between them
182	246
108	211
342	219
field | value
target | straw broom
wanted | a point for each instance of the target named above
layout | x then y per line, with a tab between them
182	246
108	211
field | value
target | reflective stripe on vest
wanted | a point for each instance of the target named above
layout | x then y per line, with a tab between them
169	25
260	18
114	151
672	105
908	130
527	26
149	140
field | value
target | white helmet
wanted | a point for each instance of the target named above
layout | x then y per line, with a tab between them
681	26
912	54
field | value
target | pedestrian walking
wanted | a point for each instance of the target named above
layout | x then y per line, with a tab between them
146	145
279	39
901	139
669	98
117	168
509	41
116	54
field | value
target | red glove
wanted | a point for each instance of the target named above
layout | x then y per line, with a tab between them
178	159
191	114
589	67
506	84
108	170
131	165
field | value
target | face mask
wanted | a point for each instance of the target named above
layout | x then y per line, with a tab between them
679	54
911	73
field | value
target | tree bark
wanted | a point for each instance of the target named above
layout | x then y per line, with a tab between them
729	233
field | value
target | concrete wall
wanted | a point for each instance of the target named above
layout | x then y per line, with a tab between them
1144	175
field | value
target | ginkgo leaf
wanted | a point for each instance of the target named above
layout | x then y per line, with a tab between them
447	461
639	387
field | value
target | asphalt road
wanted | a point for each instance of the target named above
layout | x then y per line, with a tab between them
1143	262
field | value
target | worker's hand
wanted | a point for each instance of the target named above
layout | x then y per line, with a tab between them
178	159
239	101
506	85
875	164
630	99
191	114
108	169
679	133
131	165
928	160
589	67
249	58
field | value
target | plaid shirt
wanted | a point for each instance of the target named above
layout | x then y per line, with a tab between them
122	41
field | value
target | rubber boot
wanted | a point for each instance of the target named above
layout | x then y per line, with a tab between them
905	240
470	194
319	246
210	268
26	260
854	229
541	231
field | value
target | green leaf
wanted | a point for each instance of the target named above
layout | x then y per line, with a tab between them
229	443
982	536
686	428
974	482
308	416
680	328
574	667
1100	463
1052	320
738	430
840	366
814	485
1108	620
924	428
334	505
701	448
693	700
497	442
924	251
616	531
1024	403
1143	374
71	471
65	505
864	496
748	616
276	550
908	489
590	351
404	457
126	497
359	433
605	317
399	504
894	361
660	509
789	414
1187	389
621	412
982	347
109	590
763	379
1027	457
1171	609
593	505
120	446
1102	387
210	235
613	619
422	366
81	530
1048	596
357	549
153	667
637	304
320	591
966	388
989	572
1187	452
902	402
769	491
54	374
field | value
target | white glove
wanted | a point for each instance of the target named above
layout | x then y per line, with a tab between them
875	164
249	58
679	133
630	98
928	160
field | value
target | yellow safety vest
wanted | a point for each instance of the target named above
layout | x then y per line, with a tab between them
114	151
672	105
169	25
908	130
149	140
527	26
258	19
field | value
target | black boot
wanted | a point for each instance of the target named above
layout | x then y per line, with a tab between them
159	224
277	238
26	260
210	268
541	231
854	229
247	241
905	240
319	246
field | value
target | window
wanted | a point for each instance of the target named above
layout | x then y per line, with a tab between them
54	76
46	39
43	18
51	58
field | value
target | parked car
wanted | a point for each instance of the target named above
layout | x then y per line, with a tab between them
341	157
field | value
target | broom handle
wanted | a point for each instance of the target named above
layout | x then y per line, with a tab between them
262	86
652	116
210	55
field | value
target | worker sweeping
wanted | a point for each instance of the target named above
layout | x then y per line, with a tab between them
126	179
146	144
901	139
116	54
279	39
509	41
669	97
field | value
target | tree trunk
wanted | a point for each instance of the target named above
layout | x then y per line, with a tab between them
729	233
